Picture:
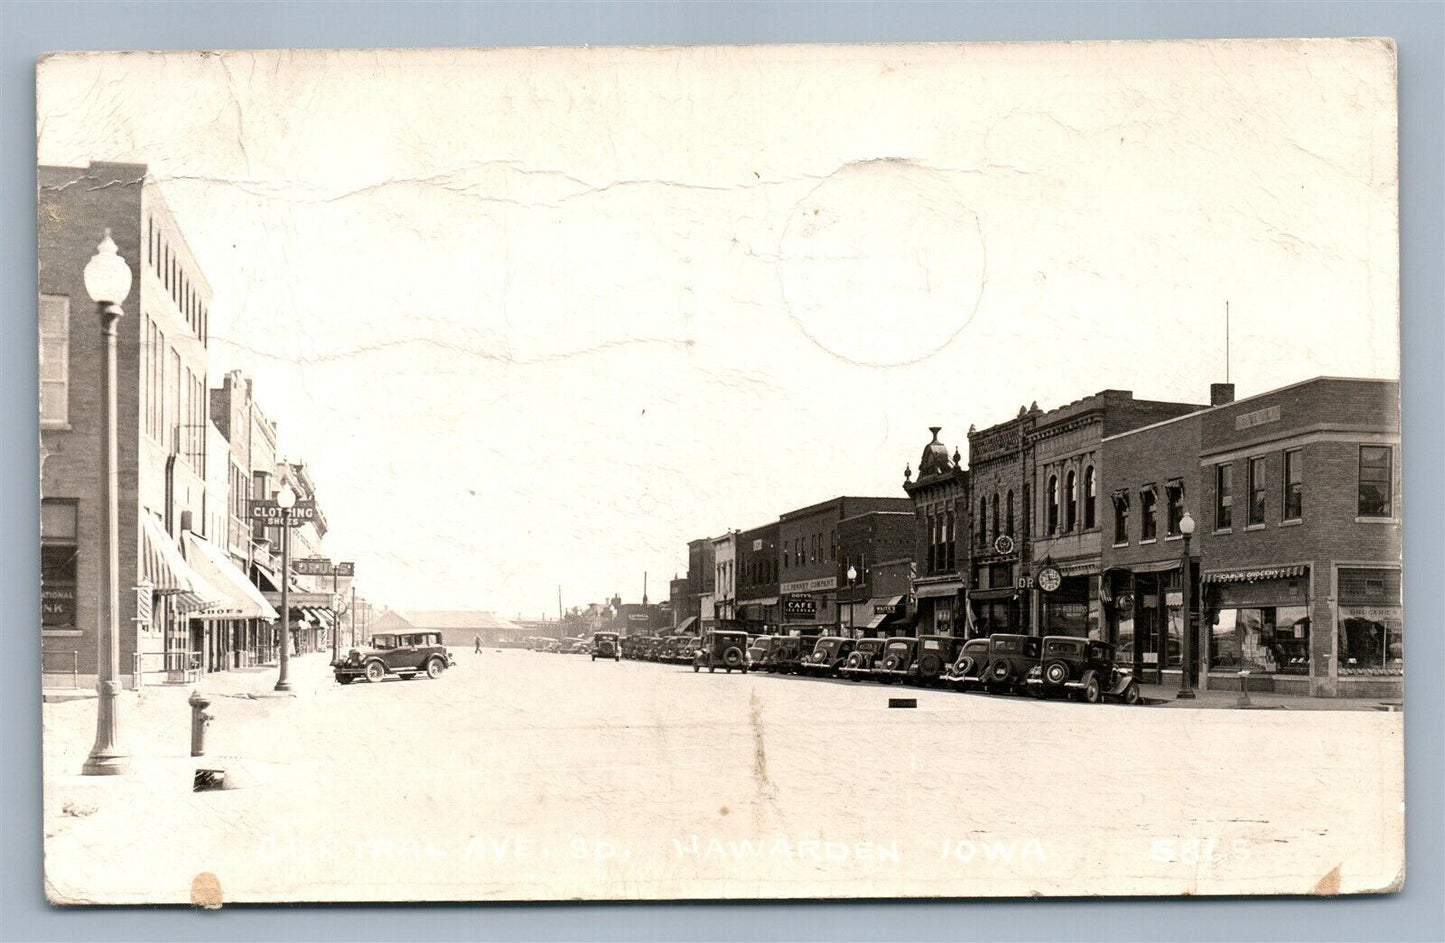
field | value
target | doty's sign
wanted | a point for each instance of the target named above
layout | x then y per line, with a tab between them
274	515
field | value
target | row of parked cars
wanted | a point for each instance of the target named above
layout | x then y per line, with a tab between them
1003	663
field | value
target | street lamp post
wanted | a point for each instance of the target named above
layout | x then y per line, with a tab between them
852	602
285	500
107	281
1186	659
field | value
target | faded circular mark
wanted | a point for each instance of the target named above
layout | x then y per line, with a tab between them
882	264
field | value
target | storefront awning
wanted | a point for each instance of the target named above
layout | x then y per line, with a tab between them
765	601
939	590
1080	567
1256	574
1158	566
244	600
687	625
272	581
876	619
989	595
168	573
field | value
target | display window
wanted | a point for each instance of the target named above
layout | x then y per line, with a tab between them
1371	640
1269	639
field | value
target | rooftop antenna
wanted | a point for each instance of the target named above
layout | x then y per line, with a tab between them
1226	340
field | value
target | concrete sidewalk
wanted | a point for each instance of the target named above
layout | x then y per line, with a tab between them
1163	695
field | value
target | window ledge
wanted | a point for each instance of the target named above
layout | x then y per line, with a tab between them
1377	520
1292	522
1151	540
1122	543
1224	530
61	633
1254	527
1173	537
54	425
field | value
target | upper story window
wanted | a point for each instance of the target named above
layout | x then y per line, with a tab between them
1223	497
1376	482
982	532
59	549
1257	490
1148	514
1121	517
1293	484
1071	503
996	531
54	360
1174	494
1053	510
1009	513
1091	489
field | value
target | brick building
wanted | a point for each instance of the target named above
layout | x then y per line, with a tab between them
997	535
877	546
724	565
1295	494
758	563
701	580
811	568
939	501
161	421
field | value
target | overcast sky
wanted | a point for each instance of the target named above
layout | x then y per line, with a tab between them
539	317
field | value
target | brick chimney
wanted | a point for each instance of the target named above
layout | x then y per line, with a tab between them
1221	394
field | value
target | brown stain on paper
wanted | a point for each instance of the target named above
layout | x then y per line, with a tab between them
206	891
1329	885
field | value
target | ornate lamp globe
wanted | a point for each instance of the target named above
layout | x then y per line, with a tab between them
852	574
107	276
286	498
1186	524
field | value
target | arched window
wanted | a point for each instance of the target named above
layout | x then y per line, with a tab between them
1071	503
1009	513
996	531
983	522
1053	511
1091	486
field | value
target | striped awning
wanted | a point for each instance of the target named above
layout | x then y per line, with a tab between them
168	573
1256	574
244	599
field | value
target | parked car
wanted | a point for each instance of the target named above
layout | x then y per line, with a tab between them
1084	668
1009	659
967	669
633	646
722	648
606	645
923	663
783	654
686	650
757	648
828	655
859	663
403	654
577	646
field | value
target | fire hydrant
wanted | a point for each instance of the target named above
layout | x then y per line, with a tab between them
200	720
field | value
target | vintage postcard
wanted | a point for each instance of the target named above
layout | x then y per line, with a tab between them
720	472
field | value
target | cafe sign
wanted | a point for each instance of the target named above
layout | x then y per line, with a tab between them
800	606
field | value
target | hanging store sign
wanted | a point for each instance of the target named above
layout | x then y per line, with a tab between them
811	586
1173	599
882	610
322	566
274	515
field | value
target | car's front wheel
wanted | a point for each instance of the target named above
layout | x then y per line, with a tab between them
375	672
343	679
434	668
1091	690
1131	693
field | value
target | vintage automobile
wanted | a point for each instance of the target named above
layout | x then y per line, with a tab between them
967	670
722	648
686	649
923	663
859	663
757	648
606	645
1009	659
828	655
1083	668
783	654
404	654
577	646
633	646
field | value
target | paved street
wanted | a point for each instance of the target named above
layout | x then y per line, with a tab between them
528	775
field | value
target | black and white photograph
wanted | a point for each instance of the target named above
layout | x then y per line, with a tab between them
939	470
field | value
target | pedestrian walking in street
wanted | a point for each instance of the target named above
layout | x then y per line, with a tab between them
477	640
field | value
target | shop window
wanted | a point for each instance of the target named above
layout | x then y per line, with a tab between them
1174	495
1071	503
1009	513
1375	481
1091	487
1223	497
1256	491
1121	517
1148	514
54	360
59	554
1124	637
1371	640
1273	640
1293	485
1053	510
